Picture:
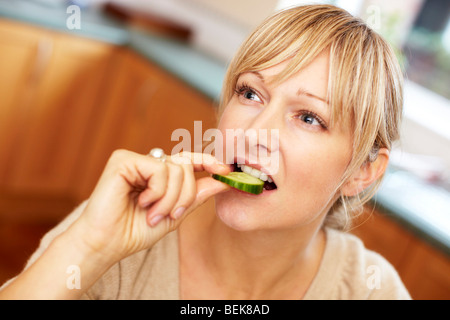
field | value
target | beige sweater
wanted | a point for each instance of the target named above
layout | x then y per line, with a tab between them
347	271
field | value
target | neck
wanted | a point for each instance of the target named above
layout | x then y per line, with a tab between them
260	264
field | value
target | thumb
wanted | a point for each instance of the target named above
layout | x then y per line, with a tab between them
206	188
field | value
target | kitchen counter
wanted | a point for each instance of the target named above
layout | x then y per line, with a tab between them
187	63
424	209
93	23
199	70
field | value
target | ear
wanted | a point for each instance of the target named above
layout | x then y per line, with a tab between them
367	174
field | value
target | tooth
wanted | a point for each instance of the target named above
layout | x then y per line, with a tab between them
246	169
256	173
269	179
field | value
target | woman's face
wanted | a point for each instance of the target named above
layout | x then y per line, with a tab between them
311	155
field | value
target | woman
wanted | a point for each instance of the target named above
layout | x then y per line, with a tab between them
332	90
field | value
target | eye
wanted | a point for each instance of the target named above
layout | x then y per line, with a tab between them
250	95
310	118
247	93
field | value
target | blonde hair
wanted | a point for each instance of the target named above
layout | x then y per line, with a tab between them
365	81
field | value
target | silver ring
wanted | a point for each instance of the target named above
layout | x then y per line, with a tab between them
158	154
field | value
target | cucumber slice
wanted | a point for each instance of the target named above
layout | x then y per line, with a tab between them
242	181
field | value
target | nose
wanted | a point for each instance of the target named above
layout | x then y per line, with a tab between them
262	141
262	135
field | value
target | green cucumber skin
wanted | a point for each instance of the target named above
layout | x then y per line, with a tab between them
249	188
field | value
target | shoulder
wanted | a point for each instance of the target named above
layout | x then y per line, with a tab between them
358	273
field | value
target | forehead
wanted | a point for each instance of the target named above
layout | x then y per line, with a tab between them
292	67
311	80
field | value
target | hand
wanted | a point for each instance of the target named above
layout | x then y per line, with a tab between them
139	199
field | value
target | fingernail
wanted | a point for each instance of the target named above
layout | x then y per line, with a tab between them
145	204
224	168
179	212
155	220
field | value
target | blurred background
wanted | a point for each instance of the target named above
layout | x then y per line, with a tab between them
82	78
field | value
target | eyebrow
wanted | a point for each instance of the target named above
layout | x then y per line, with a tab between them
303	92
300	91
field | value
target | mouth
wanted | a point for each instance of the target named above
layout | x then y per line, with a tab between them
269	184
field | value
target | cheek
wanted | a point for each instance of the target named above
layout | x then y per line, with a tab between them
310	188
232	124
232	117
317	171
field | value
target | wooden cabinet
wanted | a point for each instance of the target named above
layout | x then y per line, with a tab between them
48	107
54	126
67	103
424	270
23	52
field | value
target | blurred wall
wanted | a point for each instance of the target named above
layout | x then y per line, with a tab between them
396	17
219	26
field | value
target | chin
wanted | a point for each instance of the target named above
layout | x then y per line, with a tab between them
236	215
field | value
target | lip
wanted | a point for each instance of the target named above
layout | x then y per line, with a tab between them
253	165
251	195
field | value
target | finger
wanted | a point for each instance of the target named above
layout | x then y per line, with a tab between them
135	172
188	192
156	177
201	162
164	206
206	188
